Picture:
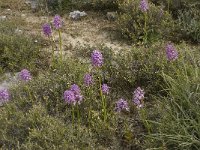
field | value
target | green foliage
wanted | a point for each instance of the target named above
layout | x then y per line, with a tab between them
186	15
12	4
178	125
139	66
18	50
175	6
59	6
189	24
131	22
64	6
35	129
38	117
101	4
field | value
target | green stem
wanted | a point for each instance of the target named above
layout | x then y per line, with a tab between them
103	101
143	117
89	116
30	95
89	111
145	27
126	124
78	114
53	58
60	40
168	4
105	110
72	115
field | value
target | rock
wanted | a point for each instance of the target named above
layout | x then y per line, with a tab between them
9	80
3	18
18	31
43	18
77	15
111	16
23	15
33	3
8	12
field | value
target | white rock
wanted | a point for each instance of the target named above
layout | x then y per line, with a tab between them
43	18
9	81
3	18
8	12
76	15
18	31
23	15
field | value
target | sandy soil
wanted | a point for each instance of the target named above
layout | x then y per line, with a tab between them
92	30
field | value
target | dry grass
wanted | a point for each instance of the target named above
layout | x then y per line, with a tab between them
12	4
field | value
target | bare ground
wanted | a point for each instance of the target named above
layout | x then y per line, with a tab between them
92	30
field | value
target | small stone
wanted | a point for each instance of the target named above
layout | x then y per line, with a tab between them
9	80
43	18
8	12
18	31
111	16
27	2
23	15
3	18
34	4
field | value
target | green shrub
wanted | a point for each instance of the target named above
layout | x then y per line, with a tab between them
178	124
131	22
175	6
102	5
35	129
64	6
189	24
9	26
18	51
186	15
138	66
59	6
38	118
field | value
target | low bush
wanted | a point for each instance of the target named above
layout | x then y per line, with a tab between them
35	129
131	22
37	111
101	5
38	117
175	6
64	6
186	15
18	50
189	24
58	110
138	66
